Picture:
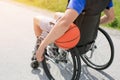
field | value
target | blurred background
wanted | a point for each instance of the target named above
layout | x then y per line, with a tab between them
17	39
60	5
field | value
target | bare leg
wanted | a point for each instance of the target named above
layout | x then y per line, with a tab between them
37	29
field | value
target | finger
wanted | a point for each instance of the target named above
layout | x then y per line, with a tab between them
40	59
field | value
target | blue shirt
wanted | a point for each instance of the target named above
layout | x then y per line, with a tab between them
81	5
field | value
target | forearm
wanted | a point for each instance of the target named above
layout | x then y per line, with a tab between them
108	16
60	27
104	19
57	31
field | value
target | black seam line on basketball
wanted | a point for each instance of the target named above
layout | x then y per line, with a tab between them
68	41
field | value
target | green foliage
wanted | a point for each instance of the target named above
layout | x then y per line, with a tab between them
53	5
115	23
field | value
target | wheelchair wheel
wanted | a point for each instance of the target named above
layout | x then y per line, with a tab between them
101	54
68	68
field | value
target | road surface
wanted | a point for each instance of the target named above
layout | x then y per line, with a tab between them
17	41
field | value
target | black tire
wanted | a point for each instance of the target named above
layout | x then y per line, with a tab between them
35	64
108	51
76	67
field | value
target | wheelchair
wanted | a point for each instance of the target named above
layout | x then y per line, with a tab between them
66	64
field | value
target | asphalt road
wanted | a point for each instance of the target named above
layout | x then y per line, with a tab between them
17	41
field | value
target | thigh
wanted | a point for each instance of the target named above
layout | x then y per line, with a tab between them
45	23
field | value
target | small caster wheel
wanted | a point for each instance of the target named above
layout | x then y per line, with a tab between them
33	58
35	64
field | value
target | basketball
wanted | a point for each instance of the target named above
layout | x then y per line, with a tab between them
70	38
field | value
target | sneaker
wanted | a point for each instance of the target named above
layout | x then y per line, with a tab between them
52	50
56	53
62	54
39	40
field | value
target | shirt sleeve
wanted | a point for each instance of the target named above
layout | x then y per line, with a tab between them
110	4
77	5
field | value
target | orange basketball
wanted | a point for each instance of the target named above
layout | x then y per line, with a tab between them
70	38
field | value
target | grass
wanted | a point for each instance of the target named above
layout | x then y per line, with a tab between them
116	23
53	5
60	5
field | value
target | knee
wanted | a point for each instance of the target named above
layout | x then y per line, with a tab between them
36	21
57	15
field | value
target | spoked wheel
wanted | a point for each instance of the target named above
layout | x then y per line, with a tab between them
101	53
58	68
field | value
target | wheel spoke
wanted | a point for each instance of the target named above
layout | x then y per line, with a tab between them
101	54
